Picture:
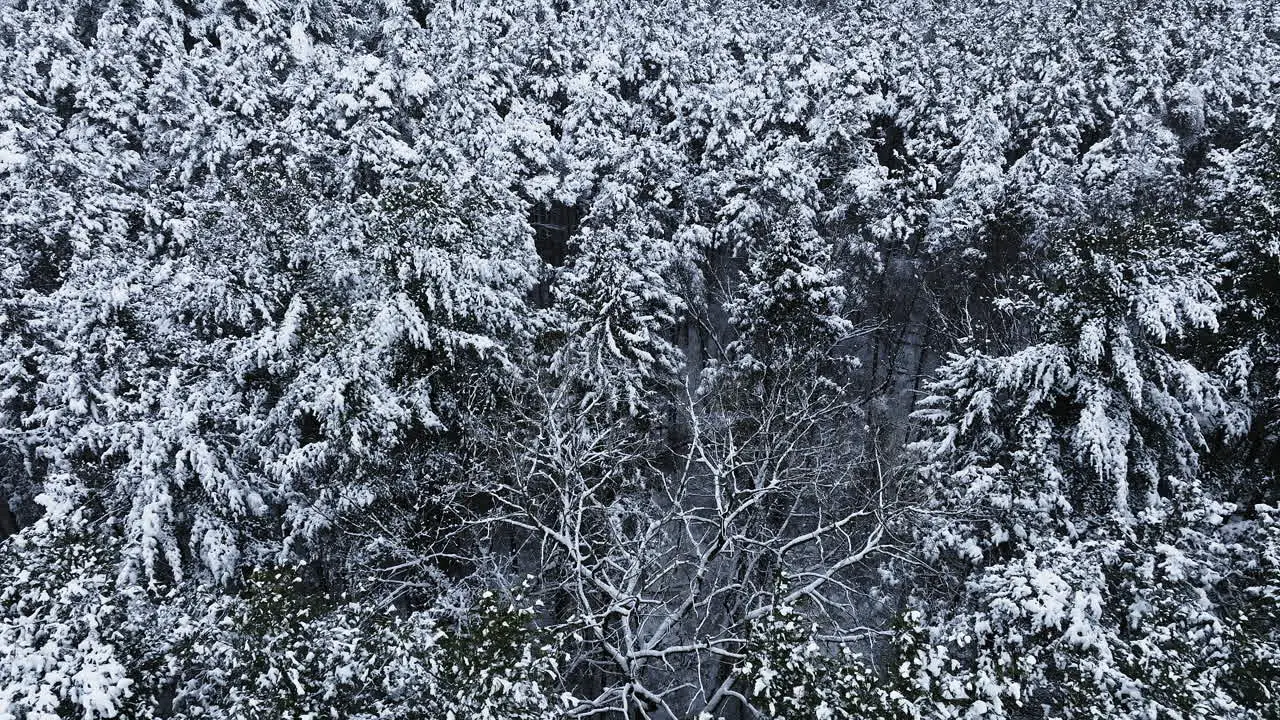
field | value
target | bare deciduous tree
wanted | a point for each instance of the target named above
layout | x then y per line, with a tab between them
664	567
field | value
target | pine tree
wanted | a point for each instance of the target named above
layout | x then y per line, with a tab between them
1084	543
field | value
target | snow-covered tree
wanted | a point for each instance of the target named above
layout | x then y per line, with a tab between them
1087	548
272	288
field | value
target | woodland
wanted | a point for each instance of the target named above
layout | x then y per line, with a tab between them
639	359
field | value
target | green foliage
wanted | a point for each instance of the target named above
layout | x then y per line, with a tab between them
278	649
498	666
791	674
791	677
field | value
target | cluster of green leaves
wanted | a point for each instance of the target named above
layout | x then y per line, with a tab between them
280	649
791	673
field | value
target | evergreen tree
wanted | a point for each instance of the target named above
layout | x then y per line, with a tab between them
1086	545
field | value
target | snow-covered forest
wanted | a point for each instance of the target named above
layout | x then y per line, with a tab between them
639	359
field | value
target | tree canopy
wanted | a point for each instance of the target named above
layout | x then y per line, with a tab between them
524	359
